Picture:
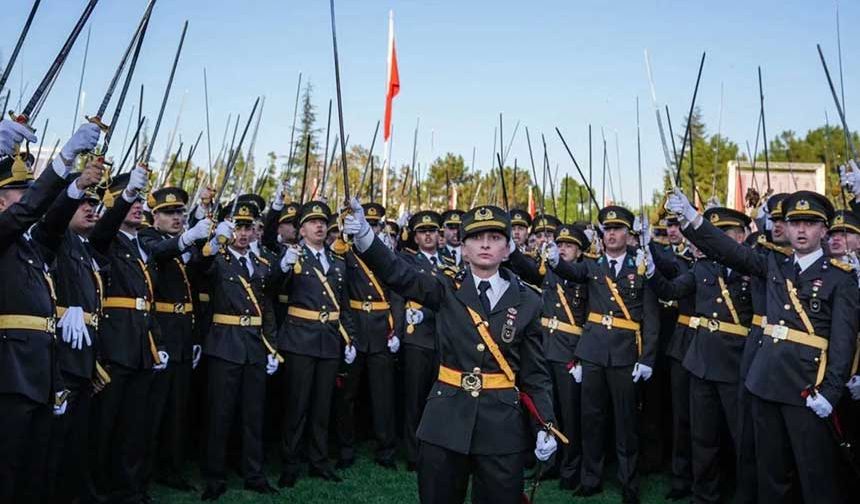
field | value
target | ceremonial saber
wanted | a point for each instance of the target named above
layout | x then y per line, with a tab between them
763	130
81	80
151	146
829	152
14	57
578	169
502	177
208	135
321	189
367	162
689	117
293	130
534	170
662	132
639	167
839	109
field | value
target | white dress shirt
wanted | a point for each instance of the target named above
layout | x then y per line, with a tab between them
807	260
455	253
319	254
498	286
431	256
247	257
619	262
139	248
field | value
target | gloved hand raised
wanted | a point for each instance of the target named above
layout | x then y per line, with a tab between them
291	257
677	203
551	251
199	231
355	224
137	181
84	140
11	136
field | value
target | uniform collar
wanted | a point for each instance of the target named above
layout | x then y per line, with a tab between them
808	260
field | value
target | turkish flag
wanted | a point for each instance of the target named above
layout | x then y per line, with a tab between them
393	87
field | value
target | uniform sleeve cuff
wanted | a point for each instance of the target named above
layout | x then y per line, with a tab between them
73	192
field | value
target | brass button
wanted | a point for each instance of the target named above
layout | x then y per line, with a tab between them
476	370
481	347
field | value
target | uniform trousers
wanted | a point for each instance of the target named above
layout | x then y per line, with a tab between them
419	373
443	476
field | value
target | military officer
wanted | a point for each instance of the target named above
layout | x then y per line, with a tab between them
420	365
131	340
315	336
451	251
488	325
31	386
617	348
171	247
804	359
565	307
723	313
521	221
375	343
238	347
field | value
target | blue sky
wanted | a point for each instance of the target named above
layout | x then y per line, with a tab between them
545	63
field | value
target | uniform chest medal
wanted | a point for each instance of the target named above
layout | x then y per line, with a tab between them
510	325
815	303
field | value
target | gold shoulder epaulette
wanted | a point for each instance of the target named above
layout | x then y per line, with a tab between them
533	287
844	266
263	260
762	240
591	256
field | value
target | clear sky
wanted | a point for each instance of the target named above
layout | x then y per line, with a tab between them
561	63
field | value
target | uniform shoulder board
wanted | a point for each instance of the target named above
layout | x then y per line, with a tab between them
591	256
337	256
535	288
762	240
844	266
263	260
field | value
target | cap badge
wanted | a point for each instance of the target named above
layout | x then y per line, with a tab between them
715	217
170	198
481	215
801	205
611	214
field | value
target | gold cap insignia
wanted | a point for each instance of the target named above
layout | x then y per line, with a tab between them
801	205
481	215
840	219
371	211
244	211
715	217
611	214
170	198
426	219
291	211
564	232
317	209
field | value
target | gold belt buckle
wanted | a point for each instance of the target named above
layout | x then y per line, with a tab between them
606	320
695	322
139	304
367	306
713	325
245	320
324	316
51	325
471	382
779	332
179	308
553	324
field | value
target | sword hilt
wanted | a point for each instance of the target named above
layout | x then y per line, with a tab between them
22	119
98	122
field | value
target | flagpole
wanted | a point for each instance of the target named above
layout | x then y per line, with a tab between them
392	85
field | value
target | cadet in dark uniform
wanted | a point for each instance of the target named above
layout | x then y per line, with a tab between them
488	325
521	221
315	336
237	348
722	320
30	383
79	291
131	341
672	263
803	362
452	252
617	349
171	250
565	306
375	342
420	365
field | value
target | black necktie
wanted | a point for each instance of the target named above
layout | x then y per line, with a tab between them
797	270
612	263
319	260
136	247
454	255
433	260
244	262
483	286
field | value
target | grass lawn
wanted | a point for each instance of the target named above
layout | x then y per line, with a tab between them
367	483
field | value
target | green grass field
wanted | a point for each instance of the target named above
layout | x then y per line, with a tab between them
367	483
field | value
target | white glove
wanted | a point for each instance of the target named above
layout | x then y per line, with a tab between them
393	344
576	372
678	204
849	177
819	404
200	212
163	357
271	364
196	354
645	234
11	136
414	317
349	354
278	199
74	327
61	409
641	371
854	387
84	140
386	240
225	229
545	446
643	256
404	219
137	180
356	225
199	231
291	257
551	251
